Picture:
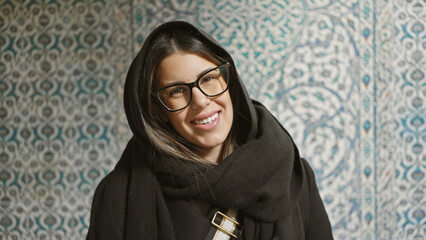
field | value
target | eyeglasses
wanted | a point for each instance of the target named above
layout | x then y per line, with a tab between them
178	96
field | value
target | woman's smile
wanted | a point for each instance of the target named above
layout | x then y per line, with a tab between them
203	119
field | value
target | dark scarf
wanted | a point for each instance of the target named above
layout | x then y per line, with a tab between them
262	178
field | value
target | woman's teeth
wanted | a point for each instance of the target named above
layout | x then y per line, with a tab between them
208	120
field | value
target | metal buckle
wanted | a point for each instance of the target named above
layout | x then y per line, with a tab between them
222	228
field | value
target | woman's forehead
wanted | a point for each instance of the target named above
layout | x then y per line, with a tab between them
181	67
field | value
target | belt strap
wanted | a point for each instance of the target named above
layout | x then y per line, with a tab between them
227	226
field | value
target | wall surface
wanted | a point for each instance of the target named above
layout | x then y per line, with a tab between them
346	78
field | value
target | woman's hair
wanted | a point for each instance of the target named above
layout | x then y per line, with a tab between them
164	138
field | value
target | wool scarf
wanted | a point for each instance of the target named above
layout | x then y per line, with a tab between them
262	179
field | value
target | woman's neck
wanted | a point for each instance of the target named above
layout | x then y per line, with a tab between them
212	155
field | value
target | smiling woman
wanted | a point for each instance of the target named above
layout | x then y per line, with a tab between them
205	161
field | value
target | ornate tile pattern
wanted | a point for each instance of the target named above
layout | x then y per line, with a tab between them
409	86
347	78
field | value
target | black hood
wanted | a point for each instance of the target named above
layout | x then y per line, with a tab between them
245	120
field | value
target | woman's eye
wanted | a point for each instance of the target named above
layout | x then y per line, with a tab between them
176	91
207	79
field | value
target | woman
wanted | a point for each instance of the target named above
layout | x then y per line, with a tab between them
205	161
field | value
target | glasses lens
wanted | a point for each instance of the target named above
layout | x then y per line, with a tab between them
214	82
175	97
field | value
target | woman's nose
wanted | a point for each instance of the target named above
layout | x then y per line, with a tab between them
199	100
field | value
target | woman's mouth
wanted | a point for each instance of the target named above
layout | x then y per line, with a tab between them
208	120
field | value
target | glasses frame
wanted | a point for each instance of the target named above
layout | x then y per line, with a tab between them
156	93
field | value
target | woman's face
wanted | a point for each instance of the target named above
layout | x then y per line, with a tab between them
185	67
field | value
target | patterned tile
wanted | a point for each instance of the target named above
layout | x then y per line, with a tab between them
345	77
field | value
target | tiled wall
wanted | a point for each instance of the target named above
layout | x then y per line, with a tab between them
346	78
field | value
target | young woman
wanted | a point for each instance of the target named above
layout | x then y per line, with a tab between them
205	161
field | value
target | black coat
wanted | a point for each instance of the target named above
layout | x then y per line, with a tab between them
114	187
190	224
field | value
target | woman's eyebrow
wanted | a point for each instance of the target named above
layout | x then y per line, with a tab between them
173	82
204	72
